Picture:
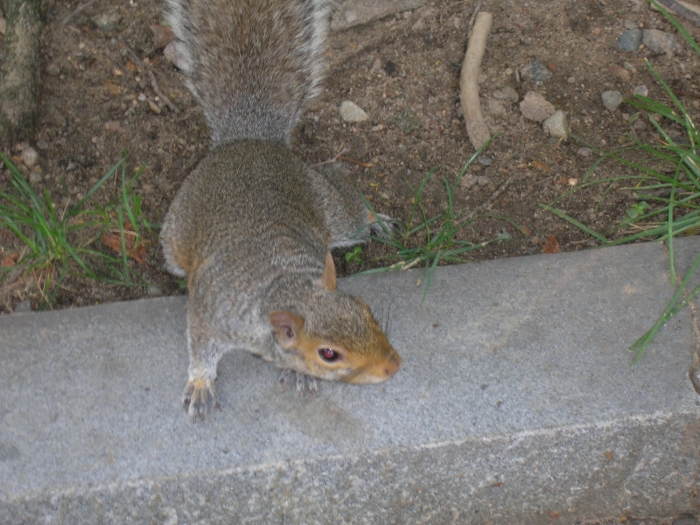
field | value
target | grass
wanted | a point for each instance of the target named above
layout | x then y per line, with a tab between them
60	243
426	241
666	183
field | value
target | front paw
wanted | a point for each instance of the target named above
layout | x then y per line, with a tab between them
198	397
304	383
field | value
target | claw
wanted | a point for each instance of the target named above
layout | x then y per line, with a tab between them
198	395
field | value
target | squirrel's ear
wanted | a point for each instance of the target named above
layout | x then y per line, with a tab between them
327	280
287	325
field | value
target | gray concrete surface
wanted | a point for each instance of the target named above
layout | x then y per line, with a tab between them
516	404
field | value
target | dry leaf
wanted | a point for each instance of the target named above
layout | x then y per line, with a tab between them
112	88
10	260
552	245
540	166
527	231
112	240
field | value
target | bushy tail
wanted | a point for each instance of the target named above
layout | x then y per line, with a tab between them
251	64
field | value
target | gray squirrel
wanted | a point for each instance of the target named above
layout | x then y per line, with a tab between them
252	226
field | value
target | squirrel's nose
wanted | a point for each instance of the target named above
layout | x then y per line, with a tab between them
393	365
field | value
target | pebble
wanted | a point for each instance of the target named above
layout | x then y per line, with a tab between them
630	40
30	157
155	290
154	107
352	113
42	144
584	152
510	93
35	177
641	90
660	42
629	67
53	69
21	146
536	71
557	125
162	35
173	54
612	100
620	72
483	160
112	126
107	21
629	24
535	107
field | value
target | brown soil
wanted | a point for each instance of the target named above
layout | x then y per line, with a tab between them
97	100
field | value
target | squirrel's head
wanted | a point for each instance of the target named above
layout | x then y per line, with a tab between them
337	339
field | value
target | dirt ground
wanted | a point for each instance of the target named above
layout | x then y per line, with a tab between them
97	100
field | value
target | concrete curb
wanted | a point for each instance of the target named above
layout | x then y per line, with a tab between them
516	404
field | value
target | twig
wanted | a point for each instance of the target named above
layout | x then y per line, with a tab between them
488	201
353	161
158	92
79	8
334	158
680	9
477	129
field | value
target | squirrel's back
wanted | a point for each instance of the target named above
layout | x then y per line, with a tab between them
251	64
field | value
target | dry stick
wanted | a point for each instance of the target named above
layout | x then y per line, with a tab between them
689	11
80	8
158	92
476	127
19	87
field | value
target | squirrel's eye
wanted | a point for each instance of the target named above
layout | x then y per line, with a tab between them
328	354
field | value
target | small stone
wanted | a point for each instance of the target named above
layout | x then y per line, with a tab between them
174	55
620	72
155	290
629	67
536	71
612	100
53	69
162	35
142	97
391	69
154	107
30	157
495	107
629	24
467	181
352	113
483	160
35	177
107	21
510	93
21	146
660	42
112	126
641	90
630	40
535	107
42	144
408	122
584	152
557	125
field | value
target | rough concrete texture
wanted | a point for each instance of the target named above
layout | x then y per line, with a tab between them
516	403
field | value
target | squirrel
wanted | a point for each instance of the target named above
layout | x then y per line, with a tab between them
252	226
